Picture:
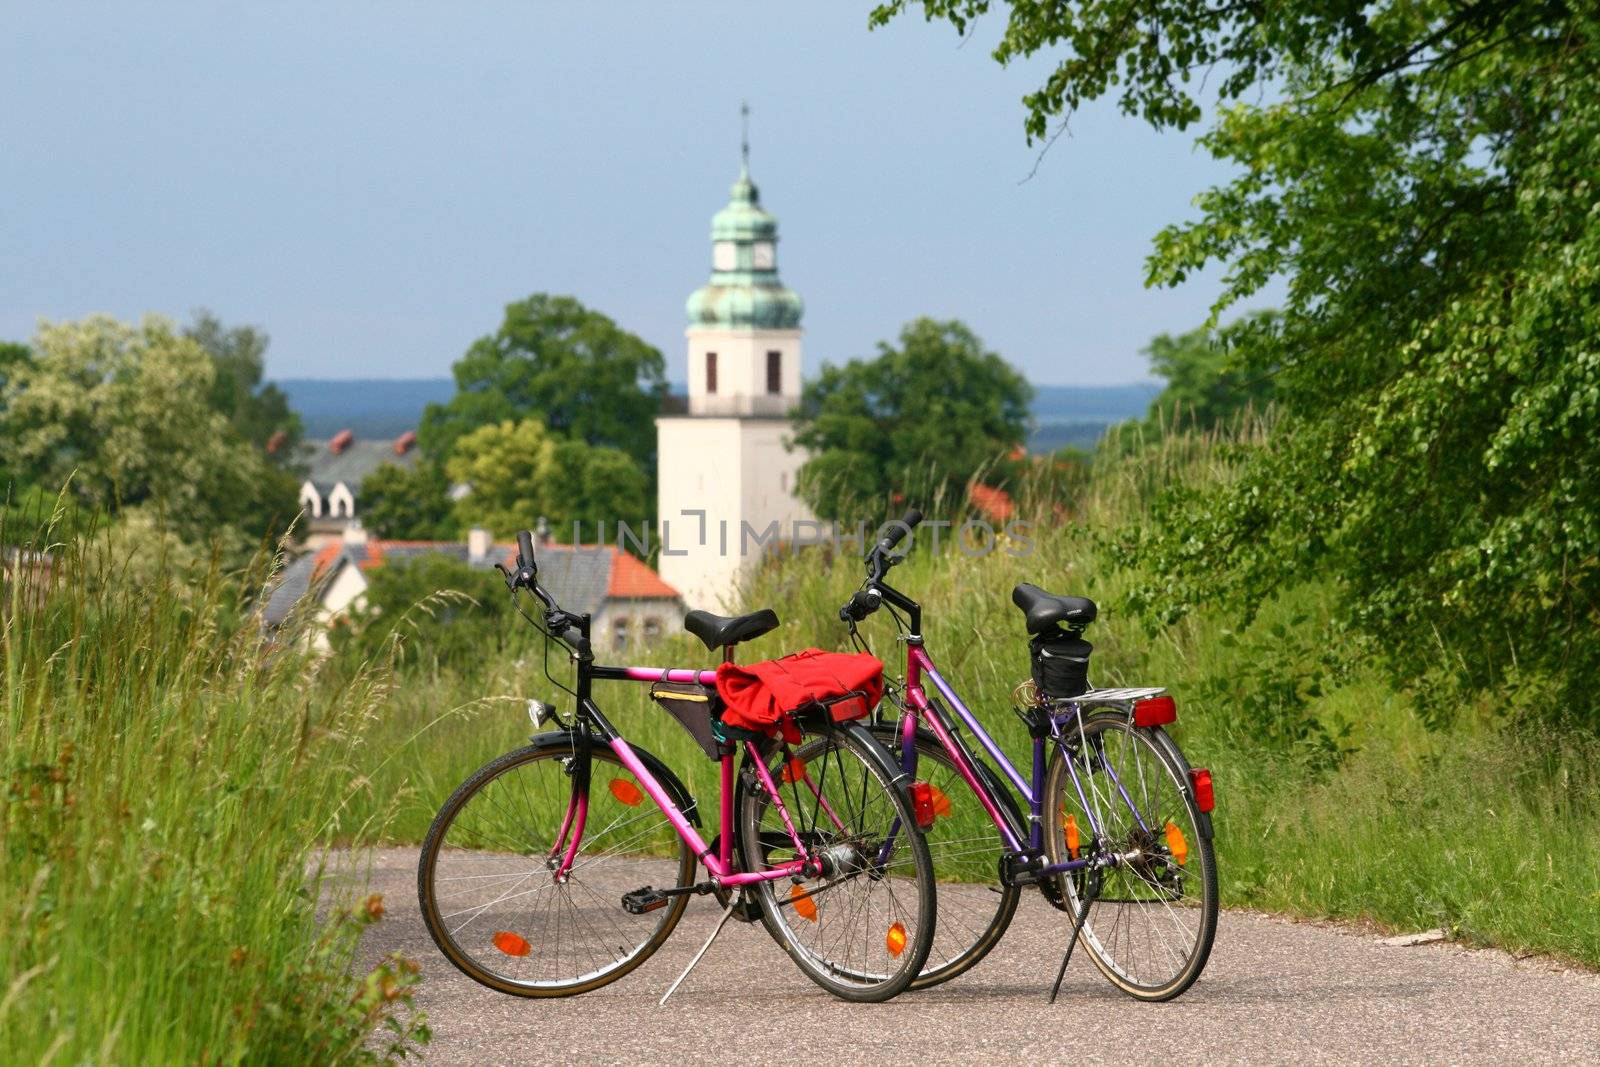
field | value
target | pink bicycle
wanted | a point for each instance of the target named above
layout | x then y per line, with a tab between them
563	865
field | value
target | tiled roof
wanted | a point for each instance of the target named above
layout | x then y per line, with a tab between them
294	581
358	459
631	578
580	578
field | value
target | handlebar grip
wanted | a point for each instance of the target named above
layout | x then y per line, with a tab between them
907	523
861	604
525	550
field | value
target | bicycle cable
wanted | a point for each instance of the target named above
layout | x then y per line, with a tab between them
545	658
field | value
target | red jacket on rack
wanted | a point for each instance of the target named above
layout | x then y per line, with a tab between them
758	694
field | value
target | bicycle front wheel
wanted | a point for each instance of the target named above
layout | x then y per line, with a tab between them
1154	912
489	884
966	847
861	929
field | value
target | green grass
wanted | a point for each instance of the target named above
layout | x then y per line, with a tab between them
167	784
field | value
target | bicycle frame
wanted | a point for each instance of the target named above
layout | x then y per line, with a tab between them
1026	840
720	863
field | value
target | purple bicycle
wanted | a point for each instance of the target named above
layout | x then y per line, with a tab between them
563	865
1117	826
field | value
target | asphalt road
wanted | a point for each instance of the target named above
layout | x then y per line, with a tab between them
1274	992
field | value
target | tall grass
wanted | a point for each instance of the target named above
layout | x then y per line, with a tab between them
168	784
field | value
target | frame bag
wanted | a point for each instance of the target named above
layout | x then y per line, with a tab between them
695	707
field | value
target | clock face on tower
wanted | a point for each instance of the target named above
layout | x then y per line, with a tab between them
763	256
722	256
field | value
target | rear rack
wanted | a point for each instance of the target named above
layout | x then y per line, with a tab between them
1110	698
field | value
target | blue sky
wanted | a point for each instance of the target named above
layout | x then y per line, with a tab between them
371	183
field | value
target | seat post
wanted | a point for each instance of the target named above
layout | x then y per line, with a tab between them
727	653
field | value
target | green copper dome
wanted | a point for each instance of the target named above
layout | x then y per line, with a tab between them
744	290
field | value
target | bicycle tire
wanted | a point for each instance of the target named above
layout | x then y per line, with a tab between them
960	945
648	932
871	807
1158	876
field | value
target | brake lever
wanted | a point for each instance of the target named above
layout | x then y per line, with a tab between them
507	574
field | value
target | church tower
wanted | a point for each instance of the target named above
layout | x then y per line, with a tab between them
728	456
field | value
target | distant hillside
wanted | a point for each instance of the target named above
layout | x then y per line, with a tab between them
1074	416
372	407
383	407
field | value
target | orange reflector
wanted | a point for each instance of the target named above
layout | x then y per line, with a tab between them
895	940
804	906
1177	845
941	803
794	770
1072	835
511	944
626	792
922	804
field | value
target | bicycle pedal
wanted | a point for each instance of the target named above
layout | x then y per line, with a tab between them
643	900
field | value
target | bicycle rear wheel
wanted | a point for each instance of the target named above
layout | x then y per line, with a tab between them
862	929
487	876
966	847
1153	919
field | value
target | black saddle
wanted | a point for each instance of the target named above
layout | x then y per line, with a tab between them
1044	610
718	631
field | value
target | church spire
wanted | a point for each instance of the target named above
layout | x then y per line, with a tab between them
744	290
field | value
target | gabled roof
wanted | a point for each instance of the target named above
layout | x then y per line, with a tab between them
358	458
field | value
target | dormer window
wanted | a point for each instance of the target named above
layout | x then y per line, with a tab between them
774	372
711	372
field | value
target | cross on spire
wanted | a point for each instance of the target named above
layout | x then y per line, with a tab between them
744	134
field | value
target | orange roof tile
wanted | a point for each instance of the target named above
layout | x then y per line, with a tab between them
631	578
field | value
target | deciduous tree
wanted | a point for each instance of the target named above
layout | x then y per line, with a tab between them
1422	174
918	420
258	412
410	504
122	412
575	370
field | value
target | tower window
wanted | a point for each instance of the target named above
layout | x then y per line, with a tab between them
711	372
774	372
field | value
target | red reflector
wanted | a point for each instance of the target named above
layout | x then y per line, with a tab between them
1157	711
922	804
1204	798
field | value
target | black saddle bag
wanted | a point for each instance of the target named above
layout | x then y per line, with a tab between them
696	708
1060	664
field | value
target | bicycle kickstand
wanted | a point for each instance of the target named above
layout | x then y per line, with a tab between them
1090	893
734	902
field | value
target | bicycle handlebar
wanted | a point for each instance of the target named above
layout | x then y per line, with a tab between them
867	600
561	623
863	603
904	526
